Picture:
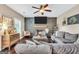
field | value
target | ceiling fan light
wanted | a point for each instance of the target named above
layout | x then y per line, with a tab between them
41	11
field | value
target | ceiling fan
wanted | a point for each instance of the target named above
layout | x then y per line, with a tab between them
42	9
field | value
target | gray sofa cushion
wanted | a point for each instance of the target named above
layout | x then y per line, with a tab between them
77	42
32	49
59	40
65	37
59	34
70	38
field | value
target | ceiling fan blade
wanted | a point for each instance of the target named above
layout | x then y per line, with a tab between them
49	10
41	6
35	7
45	5
35	12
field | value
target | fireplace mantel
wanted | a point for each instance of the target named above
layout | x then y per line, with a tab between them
40	26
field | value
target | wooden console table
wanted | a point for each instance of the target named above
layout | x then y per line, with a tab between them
8	40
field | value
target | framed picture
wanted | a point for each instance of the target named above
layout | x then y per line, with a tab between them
8	21
73	19
1	19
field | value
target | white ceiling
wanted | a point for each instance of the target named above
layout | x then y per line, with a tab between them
27	10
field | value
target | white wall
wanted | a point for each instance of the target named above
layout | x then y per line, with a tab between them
6	11
68	28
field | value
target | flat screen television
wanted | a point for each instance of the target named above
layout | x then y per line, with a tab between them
40	20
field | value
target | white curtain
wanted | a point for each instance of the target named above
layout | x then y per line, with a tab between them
17	25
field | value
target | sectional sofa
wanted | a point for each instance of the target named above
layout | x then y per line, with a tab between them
65	43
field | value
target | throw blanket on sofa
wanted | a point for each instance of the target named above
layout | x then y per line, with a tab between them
66	49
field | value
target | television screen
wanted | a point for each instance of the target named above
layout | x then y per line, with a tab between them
40	20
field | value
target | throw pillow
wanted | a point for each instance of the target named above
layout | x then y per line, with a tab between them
70	37
59	34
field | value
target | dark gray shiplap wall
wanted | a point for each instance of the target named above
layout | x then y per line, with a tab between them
29	23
